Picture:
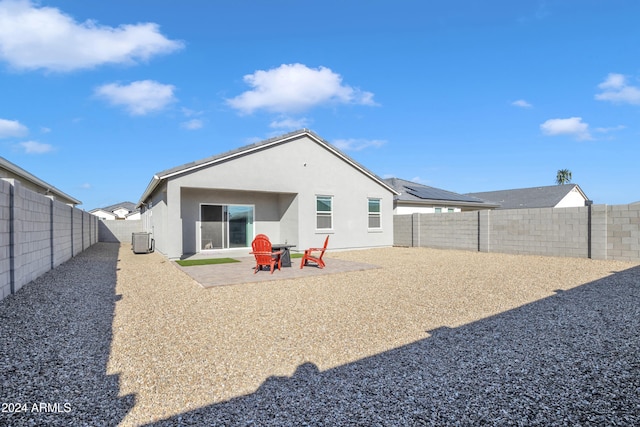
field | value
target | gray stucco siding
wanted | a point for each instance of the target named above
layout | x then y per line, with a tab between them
282	181
154	219
269	209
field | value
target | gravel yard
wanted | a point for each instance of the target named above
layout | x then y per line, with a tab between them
433	337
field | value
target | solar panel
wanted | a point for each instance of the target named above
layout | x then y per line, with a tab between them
430	193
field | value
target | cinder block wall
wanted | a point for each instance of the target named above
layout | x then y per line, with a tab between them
547	231
5	239
403	230
446	231
118	231
32	235
623	232
76	232
62	235
37	234
89	230
599	231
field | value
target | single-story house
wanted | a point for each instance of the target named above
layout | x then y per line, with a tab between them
33	183
413	197
552	196
296	188
119	211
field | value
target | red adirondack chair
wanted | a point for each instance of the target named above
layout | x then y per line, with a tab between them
308	255
265	257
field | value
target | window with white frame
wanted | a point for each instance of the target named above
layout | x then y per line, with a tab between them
324	212
374	213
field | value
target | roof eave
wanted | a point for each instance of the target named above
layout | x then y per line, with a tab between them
160	176
149	190
447	202
17	170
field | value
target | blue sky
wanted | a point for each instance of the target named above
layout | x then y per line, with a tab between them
467	96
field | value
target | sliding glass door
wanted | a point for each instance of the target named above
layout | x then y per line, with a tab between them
226	226
240	226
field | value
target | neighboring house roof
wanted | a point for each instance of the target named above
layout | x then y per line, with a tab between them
100	210
534	197
15	171
415	193
258	146
130	207
132	213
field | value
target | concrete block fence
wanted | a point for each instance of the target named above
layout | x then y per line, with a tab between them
598	231
118	231
37	234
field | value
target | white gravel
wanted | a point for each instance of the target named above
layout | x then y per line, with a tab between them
433	337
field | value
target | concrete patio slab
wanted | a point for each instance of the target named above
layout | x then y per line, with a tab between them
243	272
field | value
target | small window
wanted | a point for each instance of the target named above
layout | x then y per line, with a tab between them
438	210
374	213
324	212
450	210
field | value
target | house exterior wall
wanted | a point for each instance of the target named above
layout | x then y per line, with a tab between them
155	217
121	213
291	174
133	217
408	210
572	199
104	215
269	209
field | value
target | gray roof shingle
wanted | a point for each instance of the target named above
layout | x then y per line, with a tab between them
534	197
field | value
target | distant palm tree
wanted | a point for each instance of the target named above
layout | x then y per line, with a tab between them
563	177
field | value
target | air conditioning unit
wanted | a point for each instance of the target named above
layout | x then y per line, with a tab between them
142	243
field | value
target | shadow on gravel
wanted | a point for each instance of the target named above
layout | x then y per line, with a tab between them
55	338
570	359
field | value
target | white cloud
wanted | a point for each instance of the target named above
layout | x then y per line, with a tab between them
34	147
610	129
12	128
33	37
355	144
572	126
293	88
190	113
139	98
192	124
613	81
289	123
615	89
521	103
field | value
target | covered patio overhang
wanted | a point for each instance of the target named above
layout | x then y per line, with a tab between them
223	222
